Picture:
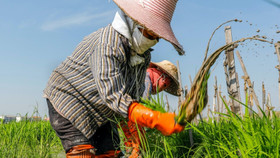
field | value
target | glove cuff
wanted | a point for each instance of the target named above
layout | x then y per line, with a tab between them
131	108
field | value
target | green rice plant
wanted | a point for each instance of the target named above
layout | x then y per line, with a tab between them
233	136
155	103
28	139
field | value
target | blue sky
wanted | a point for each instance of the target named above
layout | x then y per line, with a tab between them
36	36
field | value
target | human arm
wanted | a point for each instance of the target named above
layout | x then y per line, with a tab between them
164	122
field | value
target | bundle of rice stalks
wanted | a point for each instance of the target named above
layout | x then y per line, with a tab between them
196	98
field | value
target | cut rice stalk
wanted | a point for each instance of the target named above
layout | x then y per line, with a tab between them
196	98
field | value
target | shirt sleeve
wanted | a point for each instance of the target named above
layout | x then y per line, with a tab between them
108	65
148	87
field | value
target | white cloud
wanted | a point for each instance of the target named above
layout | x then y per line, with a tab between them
77	19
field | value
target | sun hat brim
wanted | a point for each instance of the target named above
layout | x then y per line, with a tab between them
150	21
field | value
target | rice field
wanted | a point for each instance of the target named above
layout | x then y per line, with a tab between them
232	136
27	139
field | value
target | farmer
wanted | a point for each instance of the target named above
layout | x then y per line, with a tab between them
160	76
104	78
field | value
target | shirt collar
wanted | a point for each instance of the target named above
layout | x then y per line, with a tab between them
123	24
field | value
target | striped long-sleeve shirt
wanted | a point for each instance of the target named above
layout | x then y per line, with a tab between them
148	87
97	82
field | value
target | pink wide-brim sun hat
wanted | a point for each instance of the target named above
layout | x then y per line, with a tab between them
154	15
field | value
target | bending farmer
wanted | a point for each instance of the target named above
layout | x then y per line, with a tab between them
104	78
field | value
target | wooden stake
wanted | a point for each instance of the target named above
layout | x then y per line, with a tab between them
251	103
225	100
239	99
248	81
216	98
214	108
181	98
167	103
277	47
220	100
248	96
232	81
263	96
269	106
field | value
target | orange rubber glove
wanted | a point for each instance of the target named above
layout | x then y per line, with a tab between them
164	122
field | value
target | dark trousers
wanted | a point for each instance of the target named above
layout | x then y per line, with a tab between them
105	138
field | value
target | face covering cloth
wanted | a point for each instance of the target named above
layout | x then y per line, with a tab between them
141	43
129	29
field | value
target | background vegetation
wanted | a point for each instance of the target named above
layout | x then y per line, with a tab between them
232	136
27	139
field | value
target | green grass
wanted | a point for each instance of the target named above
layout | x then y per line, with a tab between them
28	139
232	136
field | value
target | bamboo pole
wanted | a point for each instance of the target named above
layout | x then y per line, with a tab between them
248	96
216	97
167	103
181	98
269	106
225	100
225	64
220	100
247	79
263	97
251	103
239	96
232	81
277	47
245	87
214	108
